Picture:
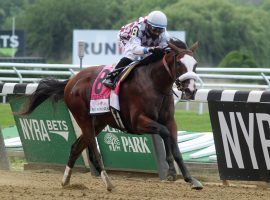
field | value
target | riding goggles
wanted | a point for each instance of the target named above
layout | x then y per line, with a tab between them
156	30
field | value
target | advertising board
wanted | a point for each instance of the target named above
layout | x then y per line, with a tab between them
47	133
101	46
12	44
126	151
242	139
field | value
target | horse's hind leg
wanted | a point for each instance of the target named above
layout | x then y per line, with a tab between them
87	139
94	163
77	147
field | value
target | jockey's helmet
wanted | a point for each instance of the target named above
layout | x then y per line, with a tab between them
156	23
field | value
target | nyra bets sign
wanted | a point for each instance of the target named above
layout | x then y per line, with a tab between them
101	46
242	138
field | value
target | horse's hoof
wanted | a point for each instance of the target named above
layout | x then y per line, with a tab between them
195	184
65	181
171	177
66	177
105	178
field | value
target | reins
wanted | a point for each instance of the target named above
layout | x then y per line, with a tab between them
168	70
166	66
179	51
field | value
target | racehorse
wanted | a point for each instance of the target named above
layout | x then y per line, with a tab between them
146	104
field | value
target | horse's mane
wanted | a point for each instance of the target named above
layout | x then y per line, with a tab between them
156	57
179	43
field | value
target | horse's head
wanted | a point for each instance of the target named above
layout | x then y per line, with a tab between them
182	66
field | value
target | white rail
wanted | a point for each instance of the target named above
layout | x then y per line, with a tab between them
33	72
219	78
234	78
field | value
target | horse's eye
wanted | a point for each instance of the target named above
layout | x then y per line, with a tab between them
178	62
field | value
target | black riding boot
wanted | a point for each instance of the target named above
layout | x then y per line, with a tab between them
111	79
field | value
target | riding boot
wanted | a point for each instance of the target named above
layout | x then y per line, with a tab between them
111	79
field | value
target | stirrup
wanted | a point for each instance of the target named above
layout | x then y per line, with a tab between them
108	83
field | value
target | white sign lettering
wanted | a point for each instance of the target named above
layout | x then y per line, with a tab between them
127	144
39	129
231	138
135	144
9	41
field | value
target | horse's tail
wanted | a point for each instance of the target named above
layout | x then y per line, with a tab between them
47	88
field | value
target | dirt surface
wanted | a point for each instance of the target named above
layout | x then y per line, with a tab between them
45	184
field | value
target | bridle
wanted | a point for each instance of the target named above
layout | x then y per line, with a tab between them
178	54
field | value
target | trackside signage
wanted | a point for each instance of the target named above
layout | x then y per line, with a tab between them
102	46
46	134
41	130
126	151
242	139
12	44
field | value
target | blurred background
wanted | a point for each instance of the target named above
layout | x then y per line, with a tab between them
231	33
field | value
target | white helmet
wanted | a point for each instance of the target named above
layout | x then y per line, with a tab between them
157	19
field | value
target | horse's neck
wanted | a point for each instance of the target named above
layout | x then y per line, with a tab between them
160	76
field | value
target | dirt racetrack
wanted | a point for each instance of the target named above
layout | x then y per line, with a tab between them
45	184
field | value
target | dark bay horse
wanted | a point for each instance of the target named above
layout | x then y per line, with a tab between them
146	104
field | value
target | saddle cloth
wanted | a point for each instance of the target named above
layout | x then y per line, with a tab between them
102	97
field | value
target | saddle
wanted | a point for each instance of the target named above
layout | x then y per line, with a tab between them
124	73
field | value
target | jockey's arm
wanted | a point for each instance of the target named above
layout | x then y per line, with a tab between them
136	47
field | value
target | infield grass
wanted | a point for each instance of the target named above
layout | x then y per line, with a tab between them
6	117
186	120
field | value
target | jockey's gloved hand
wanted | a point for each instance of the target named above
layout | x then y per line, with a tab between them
156	50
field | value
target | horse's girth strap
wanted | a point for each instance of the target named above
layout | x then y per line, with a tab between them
117	118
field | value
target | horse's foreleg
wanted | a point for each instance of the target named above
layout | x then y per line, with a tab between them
93	161
99	165
77	147
97	157
195	184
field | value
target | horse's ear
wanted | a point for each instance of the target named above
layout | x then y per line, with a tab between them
194	46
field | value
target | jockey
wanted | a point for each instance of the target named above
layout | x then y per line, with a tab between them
138	40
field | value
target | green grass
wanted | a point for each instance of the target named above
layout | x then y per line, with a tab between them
186	120
6	117
192	121
17	163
